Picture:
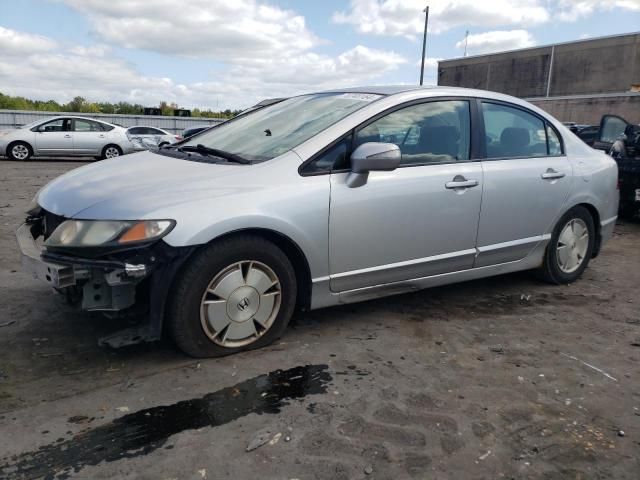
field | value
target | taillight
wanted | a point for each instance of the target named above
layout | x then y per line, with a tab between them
178	137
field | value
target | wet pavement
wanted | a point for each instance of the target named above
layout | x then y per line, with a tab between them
499	378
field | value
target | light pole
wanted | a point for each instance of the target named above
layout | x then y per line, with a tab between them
424	42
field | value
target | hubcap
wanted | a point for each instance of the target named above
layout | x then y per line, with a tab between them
240	304
20	152
111	152
573	243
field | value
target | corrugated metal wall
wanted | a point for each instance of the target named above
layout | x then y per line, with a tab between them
15	118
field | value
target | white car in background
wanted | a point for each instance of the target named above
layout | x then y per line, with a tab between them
63	137
146	138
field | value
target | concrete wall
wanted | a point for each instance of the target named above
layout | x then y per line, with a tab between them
590	110
593	69
15	118
603	65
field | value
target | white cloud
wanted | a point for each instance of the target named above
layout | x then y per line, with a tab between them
264	51
96	74
405	17
20	43
219	29
496	41
572	10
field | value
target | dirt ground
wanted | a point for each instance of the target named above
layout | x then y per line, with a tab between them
498	378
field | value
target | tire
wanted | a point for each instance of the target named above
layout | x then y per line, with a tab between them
567	256
19	151
111	151
231	321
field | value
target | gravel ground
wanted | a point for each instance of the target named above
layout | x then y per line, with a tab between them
497	378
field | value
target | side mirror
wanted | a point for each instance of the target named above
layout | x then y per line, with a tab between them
372	157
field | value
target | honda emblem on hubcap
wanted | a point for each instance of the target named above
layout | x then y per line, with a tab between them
244	303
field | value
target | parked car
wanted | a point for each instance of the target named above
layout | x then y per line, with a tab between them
191	131
621	140
145	138
65	136
302	204
587	133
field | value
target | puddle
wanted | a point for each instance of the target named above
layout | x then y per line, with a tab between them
146	430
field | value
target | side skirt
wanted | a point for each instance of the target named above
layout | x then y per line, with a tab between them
323	297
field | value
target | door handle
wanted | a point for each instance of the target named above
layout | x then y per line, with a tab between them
67	136
552	174
460	182
101	136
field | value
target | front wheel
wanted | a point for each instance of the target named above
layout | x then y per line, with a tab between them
570	247
21	151
237	294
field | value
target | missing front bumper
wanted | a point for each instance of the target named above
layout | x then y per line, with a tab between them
105	285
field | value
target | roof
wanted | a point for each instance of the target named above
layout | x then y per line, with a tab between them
378	89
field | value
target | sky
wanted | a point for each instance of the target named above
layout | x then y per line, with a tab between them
215	54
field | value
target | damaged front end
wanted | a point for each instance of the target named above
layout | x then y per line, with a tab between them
113	269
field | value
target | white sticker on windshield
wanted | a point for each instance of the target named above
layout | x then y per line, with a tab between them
364	97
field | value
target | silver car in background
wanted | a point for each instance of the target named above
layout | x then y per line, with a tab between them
322	199
63	137
147	138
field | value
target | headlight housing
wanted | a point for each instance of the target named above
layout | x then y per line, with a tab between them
101	233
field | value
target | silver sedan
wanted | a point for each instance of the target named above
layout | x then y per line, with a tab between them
147	138
322	199
63	137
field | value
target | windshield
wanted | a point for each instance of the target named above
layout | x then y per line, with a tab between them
271	131
34	123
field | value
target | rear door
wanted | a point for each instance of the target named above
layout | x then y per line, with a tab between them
88	137
527	179
54	138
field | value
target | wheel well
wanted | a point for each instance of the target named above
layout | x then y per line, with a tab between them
112	145
19	141
293	252
596	223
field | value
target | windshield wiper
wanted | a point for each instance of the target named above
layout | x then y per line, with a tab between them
232	157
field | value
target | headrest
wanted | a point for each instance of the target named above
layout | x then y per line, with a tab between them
513	137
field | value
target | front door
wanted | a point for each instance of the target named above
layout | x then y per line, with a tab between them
527	179
419	220
54	138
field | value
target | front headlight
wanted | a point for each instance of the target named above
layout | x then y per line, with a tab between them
97	233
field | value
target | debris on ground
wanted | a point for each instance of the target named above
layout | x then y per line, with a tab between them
275	438
484	455
261	438
368	470
499	349
6	324
590	366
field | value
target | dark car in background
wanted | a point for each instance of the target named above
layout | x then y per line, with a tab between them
621	140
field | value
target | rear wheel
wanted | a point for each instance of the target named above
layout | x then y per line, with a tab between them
20	151
570	248
111	151
237	294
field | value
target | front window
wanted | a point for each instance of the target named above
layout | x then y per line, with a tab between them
431	132
276	129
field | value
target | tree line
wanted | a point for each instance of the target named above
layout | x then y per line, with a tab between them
81	105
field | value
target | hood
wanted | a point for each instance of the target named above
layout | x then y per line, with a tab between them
141	185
